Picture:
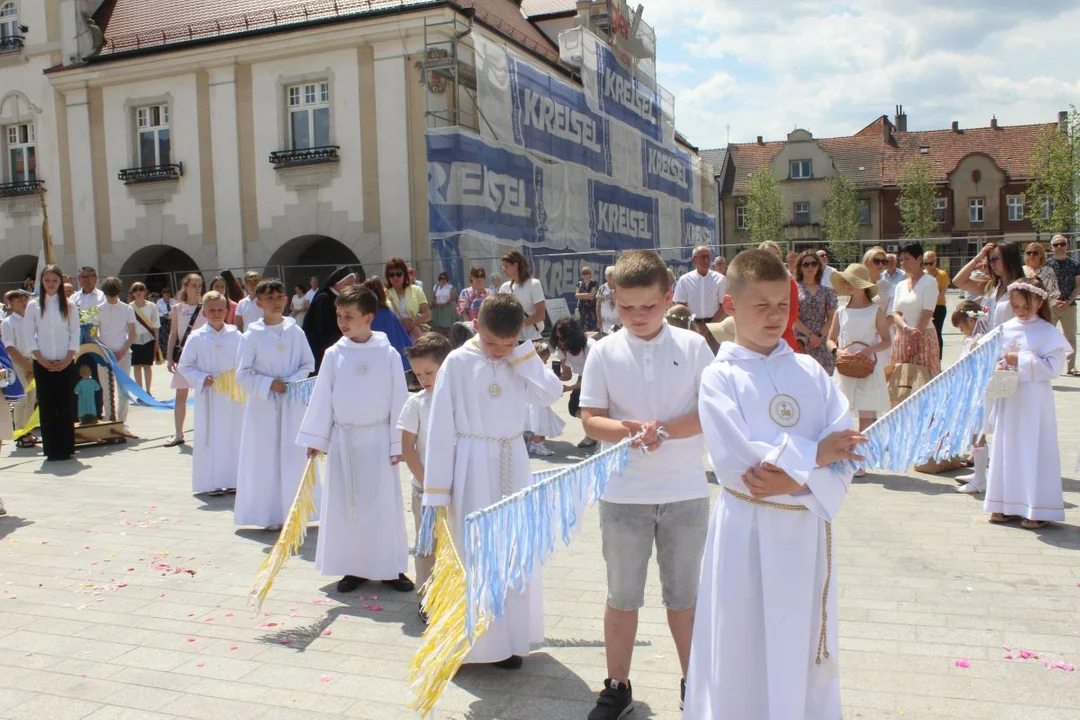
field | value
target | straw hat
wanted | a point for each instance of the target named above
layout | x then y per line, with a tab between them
723	331
857	276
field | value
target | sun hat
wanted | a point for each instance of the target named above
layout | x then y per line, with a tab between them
857	276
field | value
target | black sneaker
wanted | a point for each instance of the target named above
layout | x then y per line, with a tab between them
615	702
682	693
402	584
349	583
511	663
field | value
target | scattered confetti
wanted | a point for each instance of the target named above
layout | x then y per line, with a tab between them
326	633
268	624
328	601
1008	657
286	641
235	647
373	608
191	640
229	615
963	663
200	664
325	678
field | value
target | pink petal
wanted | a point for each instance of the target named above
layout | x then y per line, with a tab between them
1006	648
325	678
963	663
201	664
209	620
328	601
228	615
191	640
373	608
326	633
1008	657
286	641
235	647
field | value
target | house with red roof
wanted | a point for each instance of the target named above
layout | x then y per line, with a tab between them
980	173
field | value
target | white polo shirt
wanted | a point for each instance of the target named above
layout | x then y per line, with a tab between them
13	332
113	321
703	294
634	379
249	309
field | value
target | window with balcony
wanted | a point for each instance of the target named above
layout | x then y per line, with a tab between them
10	33
22	161
977	210
740	217
308	106
1015	204
802	213
800	169
153	147
864	211
941	209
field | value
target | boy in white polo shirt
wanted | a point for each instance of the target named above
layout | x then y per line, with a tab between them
116	331
645	379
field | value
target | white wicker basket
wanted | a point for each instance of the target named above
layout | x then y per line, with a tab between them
1003	384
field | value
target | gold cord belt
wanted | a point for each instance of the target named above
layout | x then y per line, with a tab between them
823	648
506	458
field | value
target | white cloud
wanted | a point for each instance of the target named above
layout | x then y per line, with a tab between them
832	67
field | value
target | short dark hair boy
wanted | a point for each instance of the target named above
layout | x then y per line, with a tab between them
430	346
268	287
358	296
501	315
112	287
640	268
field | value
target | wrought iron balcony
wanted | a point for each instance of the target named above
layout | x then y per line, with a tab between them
307	156
152	173
17	189
11	43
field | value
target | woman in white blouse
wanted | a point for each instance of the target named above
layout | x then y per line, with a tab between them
913	309
529	292
52	334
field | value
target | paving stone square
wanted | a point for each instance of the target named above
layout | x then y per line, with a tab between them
123	597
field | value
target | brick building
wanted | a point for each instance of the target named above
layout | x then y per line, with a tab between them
981	175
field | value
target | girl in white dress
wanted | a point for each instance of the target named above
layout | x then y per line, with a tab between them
541	420
186	318
969	319
862	328
1024	482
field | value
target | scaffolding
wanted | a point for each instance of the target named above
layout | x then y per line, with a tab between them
448	73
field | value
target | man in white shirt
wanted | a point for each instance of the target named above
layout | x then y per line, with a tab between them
116	331
88	295
702	290
412	276
828	271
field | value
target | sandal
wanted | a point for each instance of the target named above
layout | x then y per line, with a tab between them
1033	524
26	442
1000	519
175	442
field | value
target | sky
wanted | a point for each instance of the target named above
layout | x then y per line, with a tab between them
741	69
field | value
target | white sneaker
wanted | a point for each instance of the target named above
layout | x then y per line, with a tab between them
971	488
540	450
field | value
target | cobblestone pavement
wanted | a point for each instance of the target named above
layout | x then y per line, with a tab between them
122	596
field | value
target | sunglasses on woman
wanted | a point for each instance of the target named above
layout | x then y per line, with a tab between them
1031	253
809	265
395	273
879	261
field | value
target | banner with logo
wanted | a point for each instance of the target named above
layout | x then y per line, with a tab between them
622	220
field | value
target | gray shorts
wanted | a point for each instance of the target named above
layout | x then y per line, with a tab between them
628	531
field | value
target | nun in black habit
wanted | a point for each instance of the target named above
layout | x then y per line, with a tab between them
320	323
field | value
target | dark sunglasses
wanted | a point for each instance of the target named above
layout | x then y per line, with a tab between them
880	261
1031	253
928	264
395	273
1059	245
810	265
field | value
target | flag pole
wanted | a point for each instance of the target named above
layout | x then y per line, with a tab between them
46	234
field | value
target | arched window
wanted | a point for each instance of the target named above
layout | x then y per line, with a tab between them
10	37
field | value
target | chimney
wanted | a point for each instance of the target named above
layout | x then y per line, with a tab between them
760	140
901	119
993	122
956	126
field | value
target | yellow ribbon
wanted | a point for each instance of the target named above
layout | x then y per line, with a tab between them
226	384
35	418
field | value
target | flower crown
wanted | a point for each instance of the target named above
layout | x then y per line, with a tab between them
1027	287
975	315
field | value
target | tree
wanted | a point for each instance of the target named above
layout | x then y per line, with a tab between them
1055	177
764	208
917	197
840	219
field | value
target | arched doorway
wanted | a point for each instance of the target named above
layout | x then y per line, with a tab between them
309	255
15	270
157	266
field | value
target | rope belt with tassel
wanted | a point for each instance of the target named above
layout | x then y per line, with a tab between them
349	430
823	648
506	458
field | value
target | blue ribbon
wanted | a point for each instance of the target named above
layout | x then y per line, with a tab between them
15	391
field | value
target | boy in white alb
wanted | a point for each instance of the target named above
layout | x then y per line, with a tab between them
644	379
352	417
426	356
273	352
209	357
476	453
116	331
765	638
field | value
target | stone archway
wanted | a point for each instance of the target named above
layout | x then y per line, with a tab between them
157	266
309	255
14	270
